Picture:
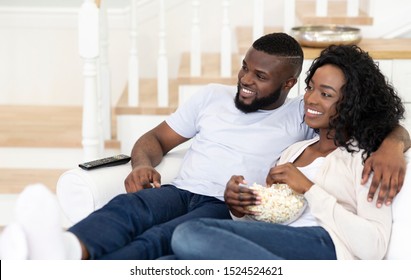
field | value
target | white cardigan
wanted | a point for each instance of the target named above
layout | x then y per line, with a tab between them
338	201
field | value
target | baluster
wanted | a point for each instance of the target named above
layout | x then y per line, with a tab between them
89	51
258	25
353	8
321	8
225	61
105	78
99	80
133	73
195	55
162	71
289	15
370	10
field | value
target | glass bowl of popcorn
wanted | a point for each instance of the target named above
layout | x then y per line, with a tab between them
279	204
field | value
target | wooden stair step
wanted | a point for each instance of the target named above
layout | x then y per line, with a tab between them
397	48
305	11
210	70
245	36
148	99
13	180
40	126
43	127
148	87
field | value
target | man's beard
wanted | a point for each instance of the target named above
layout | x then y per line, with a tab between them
258	103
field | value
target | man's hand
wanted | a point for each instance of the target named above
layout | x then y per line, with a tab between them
142	177
388	165
238	197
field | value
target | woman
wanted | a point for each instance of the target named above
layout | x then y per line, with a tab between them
353	108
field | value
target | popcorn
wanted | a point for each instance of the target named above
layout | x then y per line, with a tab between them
279	204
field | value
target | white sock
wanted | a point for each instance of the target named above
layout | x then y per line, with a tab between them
13	243
38	213
72	245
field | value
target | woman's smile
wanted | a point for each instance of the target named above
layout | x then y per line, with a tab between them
312	113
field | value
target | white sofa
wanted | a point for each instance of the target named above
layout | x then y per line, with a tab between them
81	192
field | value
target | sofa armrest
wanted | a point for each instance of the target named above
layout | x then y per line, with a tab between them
81	192
400	242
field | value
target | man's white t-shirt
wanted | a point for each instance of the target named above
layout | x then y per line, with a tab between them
229	142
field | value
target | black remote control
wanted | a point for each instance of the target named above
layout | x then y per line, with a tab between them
105	162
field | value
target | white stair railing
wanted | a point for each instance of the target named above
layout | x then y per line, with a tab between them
133	73
104	78
195	54
353	8
89	51
162	64
258	19
289	15
321	8
225	55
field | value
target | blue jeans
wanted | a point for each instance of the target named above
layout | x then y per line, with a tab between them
247	240
140	225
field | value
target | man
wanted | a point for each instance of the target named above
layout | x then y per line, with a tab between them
241	137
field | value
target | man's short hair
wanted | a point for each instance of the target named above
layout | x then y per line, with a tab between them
282	45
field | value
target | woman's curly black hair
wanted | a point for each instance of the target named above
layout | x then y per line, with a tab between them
369	108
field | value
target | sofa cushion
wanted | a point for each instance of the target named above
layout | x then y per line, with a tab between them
81	192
